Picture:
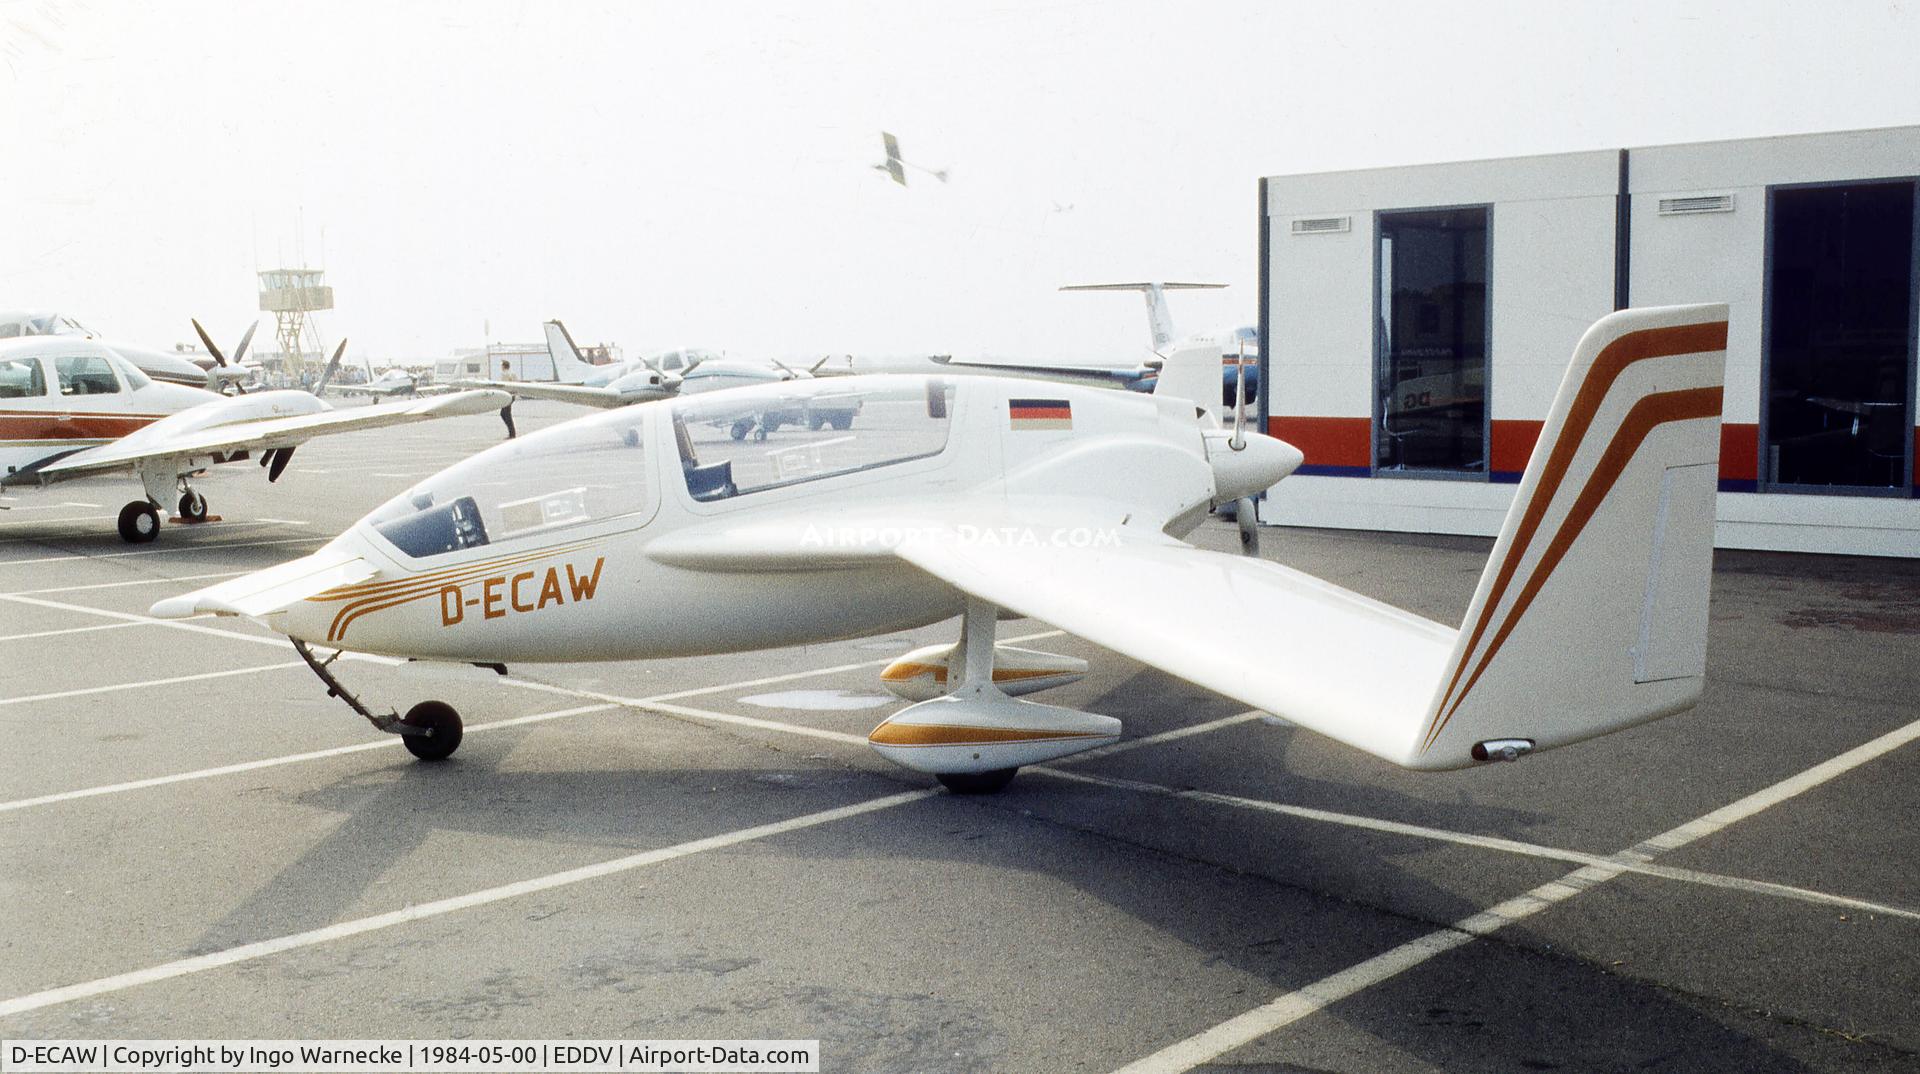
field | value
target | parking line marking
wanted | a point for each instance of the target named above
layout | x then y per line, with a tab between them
67	630
134	618
273	762
1489	842
228	673
438	907
122	585
161	551
1284	1010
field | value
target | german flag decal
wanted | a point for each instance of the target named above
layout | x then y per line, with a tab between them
1039	414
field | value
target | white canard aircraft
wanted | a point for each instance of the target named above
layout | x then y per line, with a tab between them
73	407
642	533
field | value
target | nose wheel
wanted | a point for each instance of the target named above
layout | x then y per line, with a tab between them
431	730
439	730
193	506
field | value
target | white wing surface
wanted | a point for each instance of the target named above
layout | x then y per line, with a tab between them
263	434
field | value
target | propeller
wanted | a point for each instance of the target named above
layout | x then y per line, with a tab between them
784	368
239	353
327	374
1243	509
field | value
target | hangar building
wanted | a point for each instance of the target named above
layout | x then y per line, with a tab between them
1416	321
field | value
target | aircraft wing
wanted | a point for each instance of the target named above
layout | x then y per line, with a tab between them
266	434
1275	638
270	590
1091	375
605	398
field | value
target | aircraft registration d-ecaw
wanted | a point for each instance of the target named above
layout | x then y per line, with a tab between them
649	532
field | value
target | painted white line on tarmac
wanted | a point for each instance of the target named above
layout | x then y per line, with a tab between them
123	585
1283	1011
67	630
189	625
438	907
274	762
229	673
609	703
1495	843
170	549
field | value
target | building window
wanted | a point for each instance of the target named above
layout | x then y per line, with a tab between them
1840	294
1430	347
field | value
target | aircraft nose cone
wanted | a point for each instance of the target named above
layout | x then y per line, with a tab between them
1257	466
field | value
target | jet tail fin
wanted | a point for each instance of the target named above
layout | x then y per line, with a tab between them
1159	317
1591	615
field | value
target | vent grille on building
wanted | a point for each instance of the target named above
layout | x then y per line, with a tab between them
1322	225
1693	206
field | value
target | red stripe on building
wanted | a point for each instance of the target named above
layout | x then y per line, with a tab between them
1739	452
1512	445
1326	441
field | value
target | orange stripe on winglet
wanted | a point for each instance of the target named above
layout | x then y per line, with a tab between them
1646	415
1612	361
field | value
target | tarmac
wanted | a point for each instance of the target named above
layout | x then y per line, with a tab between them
195	841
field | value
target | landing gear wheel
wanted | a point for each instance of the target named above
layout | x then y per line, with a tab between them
740	429
443	730
193	506
139	522
844	421
977	782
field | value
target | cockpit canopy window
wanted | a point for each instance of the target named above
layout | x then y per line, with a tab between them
131	373
579	472
21	378
737	442
85	374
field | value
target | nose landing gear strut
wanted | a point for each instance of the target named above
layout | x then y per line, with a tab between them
430	730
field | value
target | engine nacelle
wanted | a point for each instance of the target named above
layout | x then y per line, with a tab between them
921	675
985	733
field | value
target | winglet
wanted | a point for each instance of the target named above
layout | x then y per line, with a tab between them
1591	615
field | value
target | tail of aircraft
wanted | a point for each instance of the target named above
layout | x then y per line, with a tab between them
1192	373
1159	318
568	366
1591	615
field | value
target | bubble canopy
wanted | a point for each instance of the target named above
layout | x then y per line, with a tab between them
587	470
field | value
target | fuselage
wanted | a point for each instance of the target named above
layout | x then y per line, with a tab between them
62	393
653	530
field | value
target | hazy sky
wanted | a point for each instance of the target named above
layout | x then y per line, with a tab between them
699	173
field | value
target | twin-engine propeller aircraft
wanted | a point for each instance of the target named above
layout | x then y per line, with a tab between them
645	532
688	371
72	407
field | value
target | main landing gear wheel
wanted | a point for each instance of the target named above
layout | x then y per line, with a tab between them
193	506
139	522
443	730
968	782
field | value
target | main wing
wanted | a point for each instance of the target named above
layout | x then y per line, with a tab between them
604	398
264	434
1275	638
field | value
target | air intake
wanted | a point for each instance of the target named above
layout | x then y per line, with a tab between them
1322	225
1697	204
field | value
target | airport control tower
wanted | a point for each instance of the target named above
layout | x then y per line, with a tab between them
291	294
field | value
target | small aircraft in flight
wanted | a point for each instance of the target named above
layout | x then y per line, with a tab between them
643	532
896	168
73	407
